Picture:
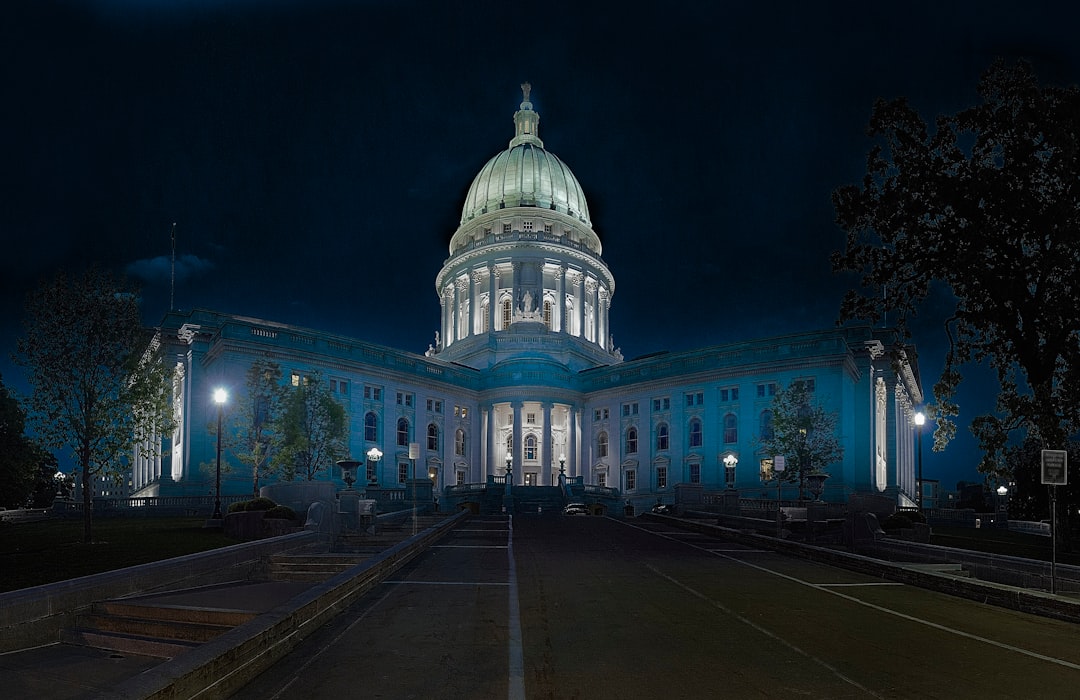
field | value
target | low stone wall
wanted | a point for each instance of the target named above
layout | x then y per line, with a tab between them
34	616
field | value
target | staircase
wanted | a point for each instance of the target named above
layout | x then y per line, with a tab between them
538	499
160	631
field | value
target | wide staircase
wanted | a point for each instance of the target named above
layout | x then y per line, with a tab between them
149	629
538	499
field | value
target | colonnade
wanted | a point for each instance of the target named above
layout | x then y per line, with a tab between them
535	436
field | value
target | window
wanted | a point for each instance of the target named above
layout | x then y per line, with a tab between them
402	472
662	437
530	447
527	226
808	384
434	405
404	399
630	409
729	474
506	313
661	404
766	390
402	432
459	443
373	393
600	414
731	429
661	477
294	379
631	441
530	418
596	414
371	426
506	228
547	314
729	394
547	228
460	477
372	477
461	412
433	437
766	429
487	230
695	473
631	479
601	479
766	470
695	433
601	445
695	399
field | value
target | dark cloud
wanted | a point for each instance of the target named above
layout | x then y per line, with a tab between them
163	269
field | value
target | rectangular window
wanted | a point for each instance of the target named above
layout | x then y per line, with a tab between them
461	412
766	390
402	472
530	418
729	475
631	480
697	399
724	395
404	399
460	477
695	473
766	469
333	386
294	379
596	414
372	393
371	476
601	479
527	226
661	477
506	228
438	406
808	384
487	230
430	404
547	228
663	404
630	409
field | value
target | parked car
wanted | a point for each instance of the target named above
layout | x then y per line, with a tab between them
663	509
575	509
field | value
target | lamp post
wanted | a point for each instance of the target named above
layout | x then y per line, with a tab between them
220	397
1003	506
729	463
920	419
373	455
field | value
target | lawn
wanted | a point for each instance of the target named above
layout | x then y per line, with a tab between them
32	554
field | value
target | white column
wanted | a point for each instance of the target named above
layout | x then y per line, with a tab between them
579	305
572	453
547	450
560	300
517	443
493	298
485	443
475	321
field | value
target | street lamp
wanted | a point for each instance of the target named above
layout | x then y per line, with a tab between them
920	419
729	472
1003	506
374	455
562	465
220	397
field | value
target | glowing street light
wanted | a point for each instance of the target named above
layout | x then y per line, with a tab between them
374	455
920	419
220	397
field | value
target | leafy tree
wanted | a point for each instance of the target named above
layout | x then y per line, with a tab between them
99	384
253	431
46	483
988	205
19	455
803	432
311	432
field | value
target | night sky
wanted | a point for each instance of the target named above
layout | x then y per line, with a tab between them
315	154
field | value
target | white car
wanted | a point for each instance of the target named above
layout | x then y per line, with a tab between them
575	509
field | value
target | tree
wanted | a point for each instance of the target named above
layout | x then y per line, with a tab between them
48	482
99	384
312	430
253	433
19	455
803	432
988	205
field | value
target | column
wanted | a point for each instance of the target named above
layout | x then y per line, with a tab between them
547	450
475	320
461	302
493	297
579	308
572	448
515	288
560	300
590	293
493	431
602	318
517	405
485	443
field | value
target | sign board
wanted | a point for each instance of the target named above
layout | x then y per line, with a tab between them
1055	465
414	450
778	463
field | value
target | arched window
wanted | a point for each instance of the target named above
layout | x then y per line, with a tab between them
547	314
731	429
485	319
530	447
695	433
663	440
433	437
766	425
506	313
459	443
601	445
631	441
371	426
402	432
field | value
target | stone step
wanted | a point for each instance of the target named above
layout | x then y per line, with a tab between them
127	643
180	613
953	569
176	630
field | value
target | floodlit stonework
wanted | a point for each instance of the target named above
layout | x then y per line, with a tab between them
523	366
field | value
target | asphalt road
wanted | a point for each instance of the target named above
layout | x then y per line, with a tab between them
583	607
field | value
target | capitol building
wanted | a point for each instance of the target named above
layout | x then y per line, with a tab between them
523	376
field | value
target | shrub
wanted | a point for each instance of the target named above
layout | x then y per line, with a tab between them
259	503
238	507
282	513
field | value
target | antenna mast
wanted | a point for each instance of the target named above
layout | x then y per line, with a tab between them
172	281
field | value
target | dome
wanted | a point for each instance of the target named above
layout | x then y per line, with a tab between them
525	175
